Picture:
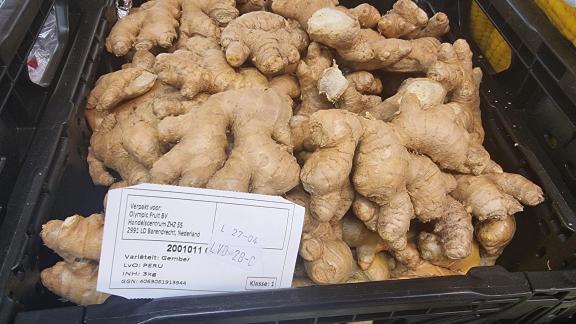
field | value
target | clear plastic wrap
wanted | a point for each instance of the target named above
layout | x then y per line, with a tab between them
123	7
44	48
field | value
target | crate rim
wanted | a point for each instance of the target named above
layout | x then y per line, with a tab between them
524	287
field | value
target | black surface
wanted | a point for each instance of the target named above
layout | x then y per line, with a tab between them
16	16
21	101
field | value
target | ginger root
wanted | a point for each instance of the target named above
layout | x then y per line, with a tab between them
308	71
115	87
270	41
432	251
423	270
208	72
451	74
74	281
369	244
393	185
356	92
261	159
407	20
76	237
494	235
141	59
365	49
245	6
494	199
205	17
133	82
302	10
453	231
379	269
202	68
411	166
454	70
437	133
127	140
155	23
325	175
496	196
107	150
327	258
152	24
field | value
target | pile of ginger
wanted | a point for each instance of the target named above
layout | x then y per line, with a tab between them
364	118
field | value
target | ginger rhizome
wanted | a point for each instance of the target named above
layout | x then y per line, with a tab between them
454	70
423	270
153	24
78	241
365	49
327	258
493	200
438	133
496	196
245	6
494	235
127	140
115	87
318	58
143	59
407	20
74	281
393	185
357	92
302	10
453	231
369	244
260	160
325	175
309	70
457	141
432	251
271	42
208	72
206	17
202	68
156	24
76	237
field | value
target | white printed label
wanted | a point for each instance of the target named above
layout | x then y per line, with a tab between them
162	241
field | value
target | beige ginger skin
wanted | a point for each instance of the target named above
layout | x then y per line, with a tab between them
261	159
74	281
157	24
271	42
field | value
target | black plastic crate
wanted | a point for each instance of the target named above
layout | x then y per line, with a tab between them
540	101
55	184
88	22
544	71
21	101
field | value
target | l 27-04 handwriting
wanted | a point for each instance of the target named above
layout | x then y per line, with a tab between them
239	234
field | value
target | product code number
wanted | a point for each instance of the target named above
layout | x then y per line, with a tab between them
184	248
